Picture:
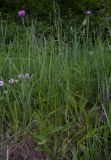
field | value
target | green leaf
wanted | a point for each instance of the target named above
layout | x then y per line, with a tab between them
40	139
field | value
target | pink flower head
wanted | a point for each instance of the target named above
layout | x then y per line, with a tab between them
88	12
21	13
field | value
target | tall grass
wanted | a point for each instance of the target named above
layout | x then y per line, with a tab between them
65	107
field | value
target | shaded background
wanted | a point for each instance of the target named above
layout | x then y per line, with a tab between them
44	8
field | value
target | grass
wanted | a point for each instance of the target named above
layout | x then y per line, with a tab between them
65	107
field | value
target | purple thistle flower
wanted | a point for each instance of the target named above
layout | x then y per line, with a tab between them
21	13
88	12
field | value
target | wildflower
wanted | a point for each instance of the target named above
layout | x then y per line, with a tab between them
1	84
21	76
88	12
21	13
26	75
12	81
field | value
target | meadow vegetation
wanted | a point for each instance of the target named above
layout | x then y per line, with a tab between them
63	103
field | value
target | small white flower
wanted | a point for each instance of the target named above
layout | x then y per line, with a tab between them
21	76
1	83
26	75
12	81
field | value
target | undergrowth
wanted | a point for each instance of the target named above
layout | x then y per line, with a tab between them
65	104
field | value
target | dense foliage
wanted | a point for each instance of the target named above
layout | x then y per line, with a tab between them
55	79
57	90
